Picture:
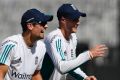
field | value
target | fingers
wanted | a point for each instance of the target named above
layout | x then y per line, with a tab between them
102	47
91	78
99	50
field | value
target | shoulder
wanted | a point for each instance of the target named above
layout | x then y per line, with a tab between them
52	36
12	40
9	44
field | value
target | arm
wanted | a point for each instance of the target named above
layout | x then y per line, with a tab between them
6	47
37	75
3	71
79	74
65	66
56	52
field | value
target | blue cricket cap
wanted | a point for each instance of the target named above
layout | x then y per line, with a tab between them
69	11
34	15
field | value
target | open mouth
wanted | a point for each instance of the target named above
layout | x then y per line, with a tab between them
42	31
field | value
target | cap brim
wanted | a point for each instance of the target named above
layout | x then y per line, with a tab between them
48	18
82	14
76	15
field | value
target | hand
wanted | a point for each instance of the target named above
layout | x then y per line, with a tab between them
90	78
98	51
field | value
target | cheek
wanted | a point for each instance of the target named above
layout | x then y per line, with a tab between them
74	29
37	30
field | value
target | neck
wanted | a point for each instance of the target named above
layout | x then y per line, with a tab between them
28	39
65	33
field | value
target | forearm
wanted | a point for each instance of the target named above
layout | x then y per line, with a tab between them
80	73
1	77
37	76
65	66
3	71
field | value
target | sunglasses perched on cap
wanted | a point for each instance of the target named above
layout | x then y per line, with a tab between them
73	20
41	23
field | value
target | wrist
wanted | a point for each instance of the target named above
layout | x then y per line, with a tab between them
91	56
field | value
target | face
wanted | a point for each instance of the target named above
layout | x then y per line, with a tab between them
72	25
37	30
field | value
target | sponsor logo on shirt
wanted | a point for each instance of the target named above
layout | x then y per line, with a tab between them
21	76
17	61
8	41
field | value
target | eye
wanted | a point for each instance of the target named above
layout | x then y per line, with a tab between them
43	23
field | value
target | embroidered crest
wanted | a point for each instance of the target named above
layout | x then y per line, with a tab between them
72	53
36	60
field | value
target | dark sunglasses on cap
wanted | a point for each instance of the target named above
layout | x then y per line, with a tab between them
42	23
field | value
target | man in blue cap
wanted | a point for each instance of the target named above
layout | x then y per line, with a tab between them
61	45
21	55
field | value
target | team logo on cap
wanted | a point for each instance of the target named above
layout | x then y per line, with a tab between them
29	19
73	7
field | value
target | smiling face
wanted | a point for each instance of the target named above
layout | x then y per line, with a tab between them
37	30
71	25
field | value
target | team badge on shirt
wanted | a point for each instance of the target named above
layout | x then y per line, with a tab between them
72	54
36	60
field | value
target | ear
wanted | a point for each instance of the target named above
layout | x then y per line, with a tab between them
62	19
29	26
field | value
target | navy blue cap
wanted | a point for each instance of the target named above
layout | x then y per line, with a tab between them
34	15
69	11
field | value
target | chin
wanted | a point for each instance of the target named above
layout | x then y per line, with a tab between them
41	37
74	31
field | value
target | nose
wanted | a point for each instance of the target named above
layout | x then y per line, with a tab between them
78	22
46	26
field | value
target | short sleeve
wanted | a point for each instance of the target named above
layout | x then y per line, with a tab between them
7	51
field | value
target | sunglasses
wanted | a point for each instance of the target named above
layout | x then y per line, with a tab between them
42	23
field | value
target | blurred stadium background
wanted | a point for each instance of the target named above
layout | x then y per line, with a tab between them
100	26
